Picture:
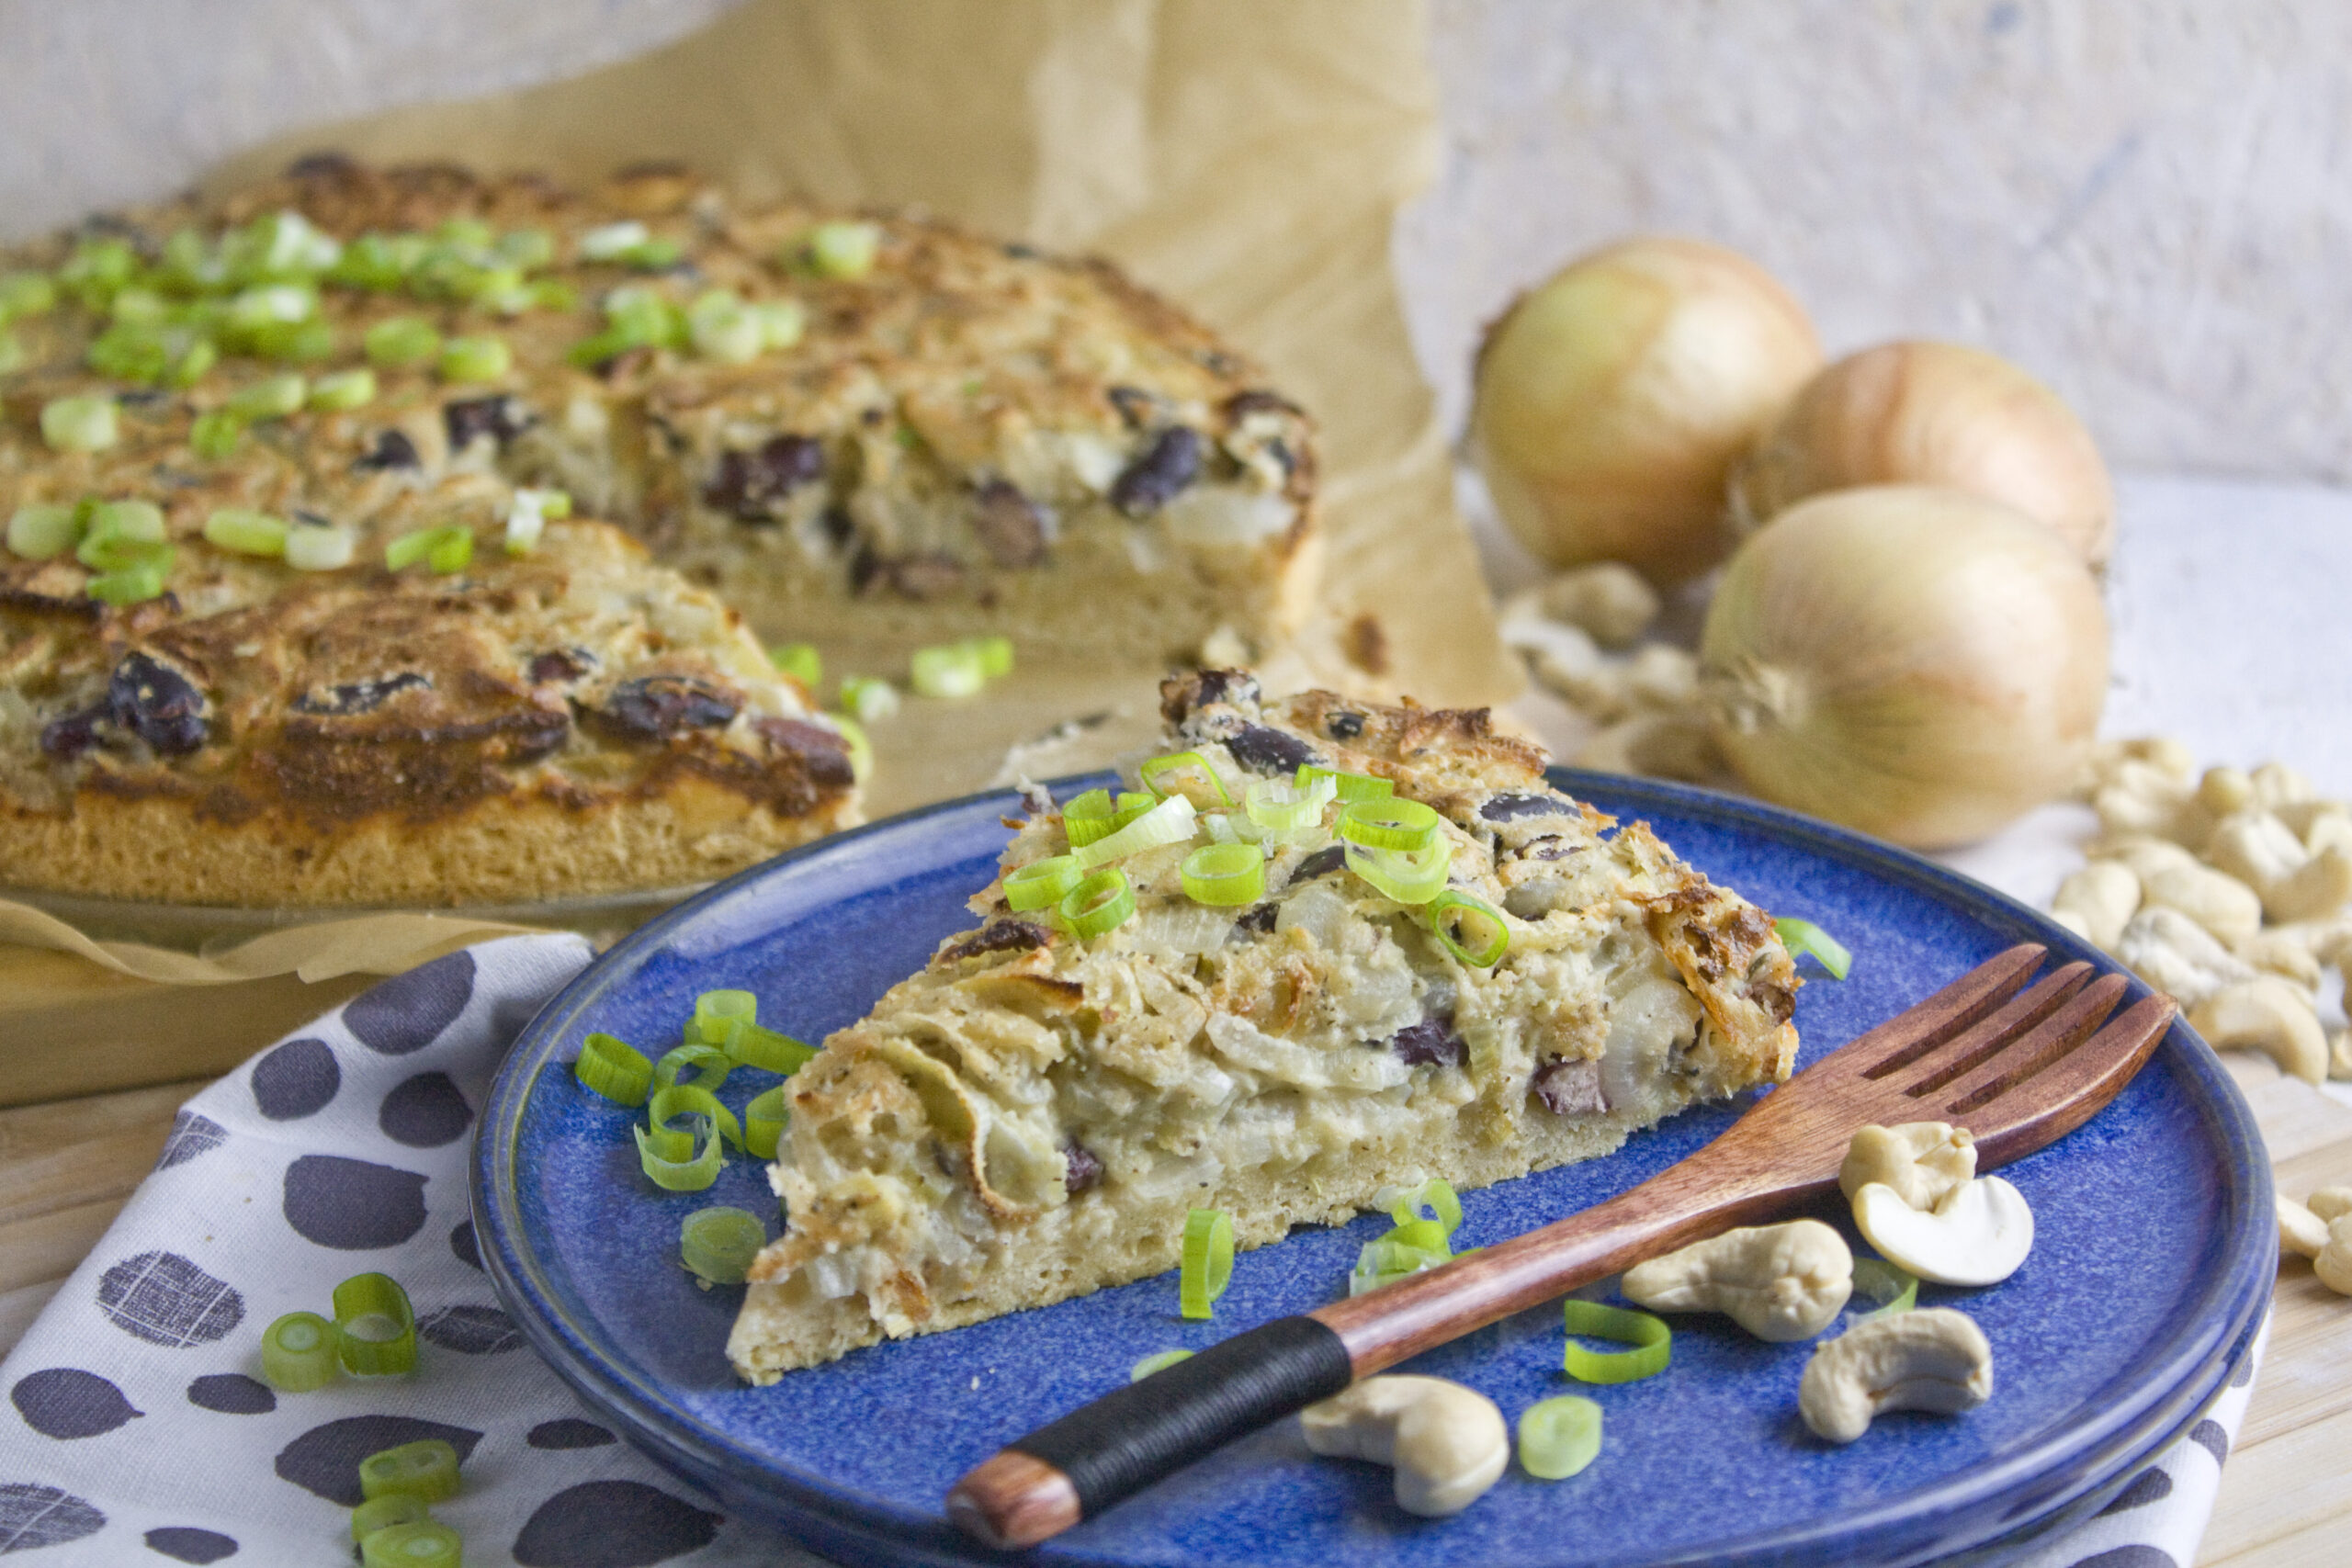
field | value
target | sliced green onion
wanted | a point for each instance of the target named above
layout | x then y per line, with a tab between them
1284	808
1168	775
1208	1260
769	1049
869	699
194	361
79	424
1801	937
555	505
475	359
1557	1438
26	294
608	242
1407	876
951	670
1389	824
1350	786
1172	822
1405	1205
97	269
214	435
1100	902
368	262
425	1470
763	1121
445	550
717	1011
383	1513
1893	1289
719	1244
13	355
841	249
424	1544
1653	1343
130	352
1156	1361
721	328
679	1160
652	255
272	397
525	248
1042	882
123	521
714	1064
1088	818
246	532
344	390
399	342
782	322
312	549
995	654
374	1326
42	530
1223	875
802	663
1471	929
293	343
133	584
298	1352
615	1069
272	304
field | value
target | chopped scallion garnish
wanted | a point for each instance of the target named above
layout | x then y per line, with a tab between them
424	1544
608	242
995	654
1557	1438
1172	822
344	390
445	550
383	1513
721	328
1207	1266
1223	875
310	547
1042	882
214	435
1349	786
475	359
374	1326
246	532
1187	773
1408	876
298	1352
802	663
869	699
1405	1205
613	1069
1101	903
1895	1290
1094	816
425	1470
42	530
1471	929
1801	937
713	1064
272	397
1389	824
1653	1343
1285	809
951	670
1156	1361
79	424
842	249
113	530
718	1244
684	1159
763	1121
399	342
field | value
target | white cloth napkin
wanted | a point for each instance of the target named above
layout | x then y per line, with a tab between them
139	1431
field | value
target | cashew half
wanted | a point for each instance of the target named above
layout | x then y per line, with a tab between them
2142	797
1925	1162
2095	901
2293	882
1933	1359
1446	1443
2216	900
2301	1232
1979	1236
2264	1014
2334	1264
2177	956
2330	1203
1779	1282
1609	600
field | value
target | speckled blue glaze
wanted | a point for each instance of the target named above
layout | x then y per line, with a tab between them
2154	1256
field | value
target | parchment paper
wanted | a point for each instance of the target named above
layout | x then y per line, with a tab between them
1245	159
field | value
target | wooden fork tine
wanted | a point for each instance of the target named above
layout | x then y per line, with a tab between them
2029	1054
2078	1086
1968	1050
1943	1016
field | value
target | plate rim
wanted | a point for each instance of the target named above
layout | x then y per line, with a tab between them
2071	1462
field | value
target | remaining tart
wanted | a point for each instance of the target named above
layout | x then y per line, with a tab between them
1031	1117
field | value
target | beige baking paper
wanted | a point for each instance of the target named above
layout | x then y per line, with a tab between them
1245	159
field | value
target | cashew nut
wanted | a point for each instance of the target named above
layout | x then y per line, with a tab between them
1925	1162
2301	1232
2140	797
1931	1360
1779	1282
2264	1014
1446	1443
1978	1236
2275	784
1609	600
2095	901
2320	822
2219	902
2334	1264
2177	956
2293	882
2339	1054
2330	1203
2284	953
2160	752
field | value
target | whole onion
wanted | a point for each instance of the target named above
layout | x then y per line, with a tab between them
1613	401
1934	413
1919	663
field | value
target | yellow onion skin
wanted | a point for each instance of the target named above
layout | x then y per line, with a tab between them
1919	663
1613	401
1935	413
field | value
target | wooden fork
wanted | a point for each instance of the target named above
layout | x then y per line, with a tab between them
2018	1065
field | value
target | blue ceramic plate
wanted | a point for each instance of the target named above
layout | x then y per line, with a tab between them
2154	1256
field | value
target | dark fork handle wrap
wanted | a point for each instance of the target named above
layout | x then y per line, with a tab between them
1135	1436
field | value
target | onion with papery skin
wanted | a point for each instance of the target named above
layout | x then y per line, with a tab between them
1613	401
1916	662
1934	413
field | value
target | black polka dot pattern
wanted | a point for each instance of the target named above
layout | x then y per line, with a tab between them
2148	1486
185	1543
164	1298
33	1515
298	1079
471	1330
2209	1435
468	1250
191	1136
325	1460
66	1402
425	1112
408	1012
569	1433
232	1394
2129	1557
613	1524
351	1204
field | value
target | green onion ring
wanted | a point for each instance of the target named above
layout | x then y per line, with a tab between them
1349	786
721	1009
423	1544
1091	817
613	1069
1436	1195
1042	882
1483	956
371	1296
1223	875
714	1063
1406	876
675	1158
298	1352
1208	1260
1893	1289
383	1513
1801	937
690	1099
718	1244
1172	822
1557	1438
1653	1343
1283	808
425	1470
767	1050
1406	825
1101	903
951	669
1156	1361
1176	762
763	1121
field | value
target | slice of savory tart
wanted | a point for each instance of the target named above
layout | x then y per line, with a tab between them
1332	946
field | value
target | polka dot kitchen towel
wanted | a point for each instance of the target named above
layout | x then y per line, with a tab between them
138	1431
